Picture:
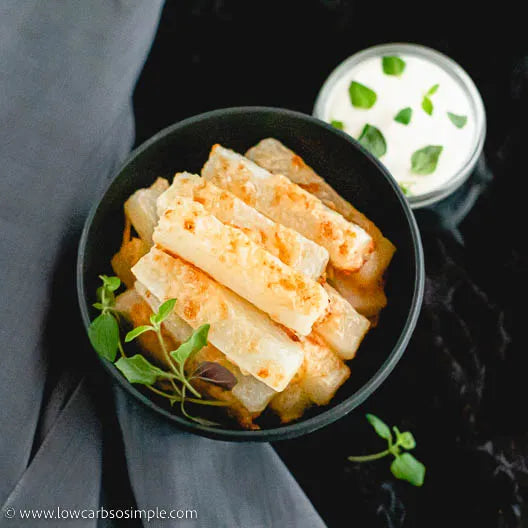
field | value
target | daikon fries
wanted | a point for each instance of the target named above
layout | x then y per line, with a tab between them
137	311
122	262
286	244
244	334
278	159
141	209
286	203
249	391
234	260
316	382
343	328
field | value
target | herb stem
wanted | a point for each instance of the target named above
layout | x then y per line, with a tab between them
120	348
367	458
157	329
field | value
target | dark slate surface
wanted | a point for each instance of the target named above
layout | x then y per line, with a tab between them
461	386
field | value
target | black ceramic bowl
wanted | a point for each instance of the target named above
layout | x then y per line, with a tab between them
352	171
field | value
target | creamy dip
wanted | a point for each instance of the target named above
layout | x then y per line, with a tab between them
407	90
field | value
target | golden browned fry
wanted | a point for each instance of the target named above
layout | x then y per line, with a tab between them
244	334
316	382
287	203
228	255
286	244
368	301
272	155
141	209
249	391
122	262
138	313
343	328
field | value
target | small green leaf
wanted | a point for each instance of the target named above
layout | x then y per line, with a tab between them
337	124
393	65
405	187
137	332
404	116
361	96
196	342
406	467
137	369
407	440
433	89
427	105
104	336
110	283
458	120
425	160
372	139
98	306
380	426
163	312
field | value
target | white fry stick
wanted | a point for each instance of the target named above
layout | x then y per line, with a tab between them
317	381
141	209
286	244
342	327
249	391
244	334
233	259
286	203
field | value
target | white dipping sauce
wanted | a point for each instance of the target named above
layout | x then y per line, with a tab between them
407	90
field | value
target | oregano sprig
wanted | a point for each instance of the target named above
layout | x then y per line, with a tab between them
105	338
404	466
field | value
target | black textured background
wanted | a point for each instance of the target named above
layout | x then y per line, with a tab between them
461	387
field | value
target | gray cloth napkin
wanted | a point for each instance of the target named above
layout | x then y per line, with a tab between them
67	71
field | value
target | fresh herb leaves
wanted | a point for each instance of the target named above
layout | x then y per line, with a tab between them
215	373
361	96
104	337
137	369
104	329
372	139
404	466
404	116
425	160
337	124
406	188
392	65
427	104
458	120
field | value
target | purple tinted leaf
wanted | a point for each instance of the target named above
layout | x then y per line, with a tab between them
215	373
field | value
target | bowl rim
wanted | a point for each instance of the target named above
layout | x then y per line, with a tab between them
326	417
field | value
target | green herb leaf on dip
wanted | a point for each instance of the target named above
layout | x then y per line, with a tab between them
406	188
427	104
433	89
372	139
425	160
404	116
392	65
458	120
361	96
337	124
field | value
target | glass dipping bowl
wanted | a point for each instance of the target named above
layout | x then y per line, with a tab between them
321	108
